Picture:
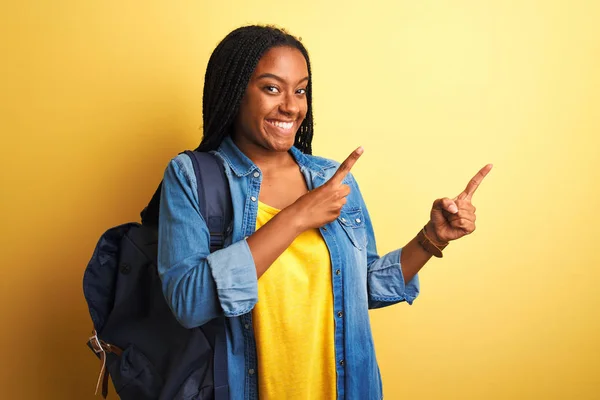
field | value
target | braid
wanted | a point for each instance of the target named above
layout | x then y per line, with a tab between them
228	73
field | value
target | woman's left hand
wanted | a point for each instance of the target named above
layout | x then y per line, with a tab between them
454	218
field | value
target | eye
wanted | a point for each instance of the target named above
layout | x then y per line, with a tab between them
272	89
301	91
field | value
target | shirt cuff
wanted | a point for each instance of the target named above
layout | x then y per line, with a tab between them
386	282
234	273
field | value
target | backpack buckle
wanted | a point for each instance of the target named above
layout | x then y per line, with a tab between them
100	346
95	343
103	377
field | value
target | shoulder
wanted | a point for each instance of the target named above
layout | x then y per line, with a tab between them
180	168
182	162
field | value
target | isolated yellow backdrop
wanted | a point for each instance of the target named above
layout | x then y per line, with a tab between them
98	96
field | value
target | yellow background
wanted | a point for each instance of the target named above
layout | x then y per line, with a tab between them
98	96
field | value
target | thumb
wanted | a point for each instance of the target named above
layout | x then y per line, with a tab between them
445	204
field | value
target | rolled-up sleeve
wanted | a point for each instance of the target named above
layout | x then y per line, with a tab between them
198	285
385	282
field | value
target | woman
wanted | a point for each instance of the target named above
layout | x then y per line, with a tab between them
302	269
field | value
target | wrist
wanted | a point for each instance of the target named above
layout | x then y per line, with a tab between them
432	236
293	219
430	245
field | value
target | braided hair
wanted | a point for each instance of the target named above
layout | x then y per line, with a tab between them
228	73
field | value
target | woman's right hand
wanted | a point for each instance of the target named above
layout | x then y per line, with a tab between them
324	204
312	210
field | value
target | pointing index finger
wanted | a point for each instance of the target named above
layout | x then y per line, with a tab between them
474	183
346	166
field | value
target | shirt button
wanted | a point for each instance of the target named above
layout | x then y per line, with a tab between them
337	272
324	228
251	371
253	198
358	220
256	174
247	326
343	219
340	314
342	363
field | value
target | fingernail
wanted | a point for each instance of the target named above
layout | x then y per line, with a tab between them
360	150
453	209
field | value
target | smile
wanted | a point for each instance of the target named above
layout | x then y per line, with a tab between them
281	125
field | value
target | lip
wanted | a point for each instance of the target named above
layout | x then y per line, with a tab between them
282	131
280	120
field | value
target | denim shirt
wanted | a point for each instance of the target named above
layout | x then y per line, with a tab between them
200	286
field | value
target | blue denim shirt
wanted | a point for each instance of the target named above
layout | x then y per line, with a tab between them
200	286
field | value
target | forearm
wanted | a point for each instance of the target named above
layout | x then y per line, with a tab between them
271	240
414	256
412	259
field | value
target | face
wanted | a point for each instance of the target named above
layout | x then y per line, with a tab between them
275	102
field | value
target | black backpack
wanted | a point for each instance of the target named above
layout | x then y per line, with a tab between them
145	350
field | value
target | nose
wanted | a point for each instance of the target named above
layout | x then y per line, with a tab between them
290	104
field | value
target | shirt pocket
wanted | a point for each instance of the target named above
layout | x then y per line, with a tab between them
353	223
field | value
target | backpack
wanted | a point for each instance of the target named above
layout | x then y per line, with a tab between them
145	350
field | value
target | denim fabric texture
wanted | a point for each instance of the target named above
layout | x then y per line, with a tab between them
199	285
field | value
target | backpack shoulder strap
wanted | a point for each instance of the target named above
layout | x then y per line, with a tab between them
215	205
213	195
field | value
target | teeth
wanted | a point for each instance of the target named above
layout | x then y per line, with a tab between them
282	125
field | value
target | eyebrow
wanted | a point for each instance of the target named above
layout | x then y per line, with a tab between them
277	78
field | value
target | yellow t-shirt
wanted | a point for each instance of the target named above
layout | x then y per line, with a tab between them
293	321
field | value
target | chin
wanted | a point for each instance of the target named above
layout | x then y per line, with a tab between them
281	145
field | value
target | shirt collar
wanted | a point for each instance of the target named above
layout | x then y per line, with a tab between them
239	163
